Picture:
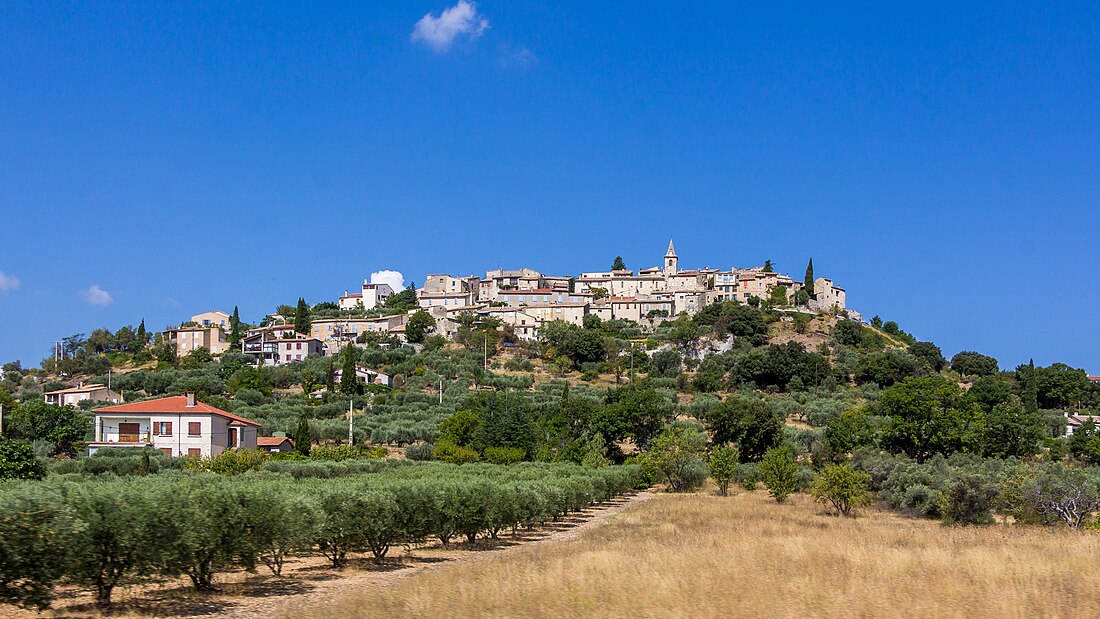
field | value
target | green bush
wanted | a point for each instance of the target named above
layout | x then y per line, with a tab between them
842	487
17	461
445	451
779	472
502	455
419	451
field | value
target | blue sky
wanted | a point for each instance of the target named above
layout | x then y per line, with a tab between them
938	160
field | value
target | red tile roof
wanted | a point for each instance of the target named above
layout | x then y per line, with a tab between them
176	404
272	441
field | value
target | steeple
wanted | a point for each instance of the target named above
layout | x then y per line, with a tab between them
671	261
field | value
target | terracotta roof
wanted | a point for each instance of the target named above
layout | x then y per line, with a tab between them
93	387
176	404
1094	378
354	294
272	441
526	291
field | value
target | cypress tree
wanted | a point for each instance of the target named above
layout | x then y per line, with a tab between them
618	264
1031	389
349	384
330	379
236	331
301	317
809	283
142	335
303	438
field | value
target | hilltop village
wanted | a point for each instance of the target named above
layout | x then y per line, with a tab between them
518	301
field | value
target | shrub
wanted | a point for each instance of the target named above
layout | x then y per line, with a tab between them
17	461
968	500
447	451
419	451
842	487
503	455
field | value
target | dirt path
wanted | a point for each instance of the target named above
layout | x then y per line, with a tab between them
310	580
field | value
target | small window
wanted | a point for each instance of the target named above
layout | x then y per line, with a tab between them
164	428
194	428
166	451
194	452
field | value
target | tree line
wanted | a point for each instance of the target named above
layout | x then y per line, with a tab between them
105	533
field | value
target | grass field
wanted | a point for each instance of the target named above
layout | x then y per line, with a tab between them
745	556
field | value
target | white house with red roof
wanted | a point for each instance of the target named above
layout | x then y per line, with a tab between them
177	425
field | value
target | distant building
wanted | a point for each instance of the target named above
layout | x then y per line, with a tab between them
75	395
366	376
213	318
187	339
278	345
369	296
275	444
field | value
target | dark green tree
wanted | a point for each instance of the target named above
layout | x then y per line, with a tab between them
301	317
142	335
618	264
1012	430
349	382
928	416
419	324
808	283
930	354
236	330
768	268
303	437
747	422
1031	387
970	363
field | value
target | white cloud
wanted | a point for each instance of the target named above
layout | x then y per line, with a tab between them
8	282
95	295
440	32
394	278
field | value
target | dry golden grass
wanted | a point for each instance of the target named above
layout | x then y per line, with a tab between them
745	556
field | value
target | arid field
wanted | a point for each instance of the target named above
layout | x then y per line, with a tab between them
745	556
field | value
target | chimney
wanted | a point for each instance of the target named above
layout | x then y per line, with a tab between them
191	400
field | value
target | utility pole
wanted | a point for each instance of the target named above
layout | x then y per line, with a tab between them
351	415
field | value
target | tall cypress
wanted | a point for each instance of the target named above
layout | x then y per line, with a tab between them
303	438
142	335
809	283
1031	389
301	317
236	332
349	383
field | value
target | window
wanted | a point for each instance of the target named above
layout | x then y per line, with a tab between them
194	452
163	428
194	428
166	451
299	347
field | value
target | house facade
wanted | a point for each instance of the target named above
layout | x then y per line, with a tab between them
176	425
213	318
187	339
73	396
